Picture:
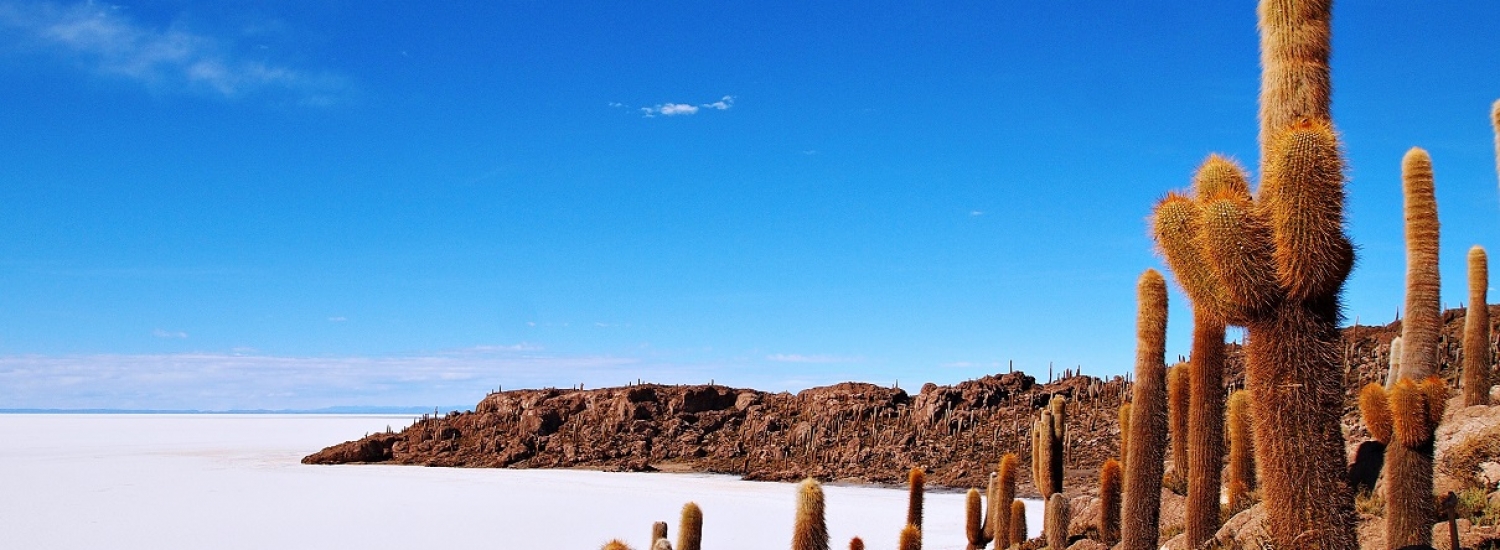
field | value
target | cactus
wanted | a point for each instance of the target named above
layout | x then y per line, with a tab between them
1057	439
616	544
1477	332
1177	421
1005	491
1148	418
1056	522
974	520
915	480
1045	454
1109	502
1017	522
1124	432
1375	411
911	538
856	543
1241	451
1415	409
662	544
991	496
690	529
1394	374
1275	263
658	531
810	531
1205	428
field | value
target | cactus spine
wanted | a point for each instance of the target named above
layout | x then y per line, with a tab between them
915	480
1057	522
1408	459
810	531
1109	502
911	538
1005	491
1275	263
974	527
1017	522
1477	332
1148	418
1375	411
1124	432
690	529
1177	419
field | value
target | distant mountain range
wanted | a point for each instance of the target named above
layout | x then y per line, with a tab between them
345	409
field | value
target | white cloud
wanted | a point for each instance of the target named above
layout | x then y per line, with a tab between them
105	41
976	212
681	109
815	358
338	319
169	334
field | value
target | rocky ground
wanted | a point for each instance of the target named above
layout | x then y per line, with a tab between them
851	431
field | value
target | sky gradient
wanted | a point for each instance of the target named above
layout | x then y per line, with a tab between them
297	205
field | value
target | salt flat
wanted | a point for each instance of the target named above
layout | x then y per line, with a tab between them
164	482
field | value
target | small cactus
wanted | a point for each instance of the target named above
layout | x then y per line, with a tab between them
1394	373
1124	432
1415	409
1375	411
1477	360
1005	482
1109	502
1241	451
1177	419
690	529
1017	522
810	532
1057	522
911	538
616	544
856	543
974	520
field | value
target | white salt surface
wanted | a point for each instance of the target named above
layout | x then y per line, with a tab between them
165	482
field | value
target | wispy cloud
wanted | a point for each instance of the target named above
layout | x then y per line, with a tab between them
680	109
338	319
100	38
815	358
169	334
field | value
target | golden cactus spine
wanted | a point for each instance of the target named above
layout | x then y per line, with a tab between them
1017	522
615	544
690	528
1205	428
1045	452
810	532
1415	410
1124	431
1177	420
915	479
1375	412
974	520
911	538
1005	492
1477	360
1056	522
1109	502
1148	418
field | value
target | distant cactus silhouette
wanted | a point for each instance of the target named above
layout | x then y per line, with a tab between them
1056	524
690	529
915	480
911	538
1017	522
1110	480
810	531
1477	360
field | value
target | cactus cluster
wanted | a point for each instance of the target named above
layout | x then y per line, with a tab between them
1048	435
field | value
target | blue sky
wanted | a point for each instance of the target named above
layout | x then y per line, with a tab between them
292	204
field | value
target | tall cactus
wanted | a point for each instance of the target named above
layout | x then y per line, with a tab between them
1394	373
1415	410
1109	502
1477	358
1177	420
1056	522
1045	449
1005	491
1275	263
1058	440
1148	418
1124	432
690	528
810	532
1205	427
915	479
